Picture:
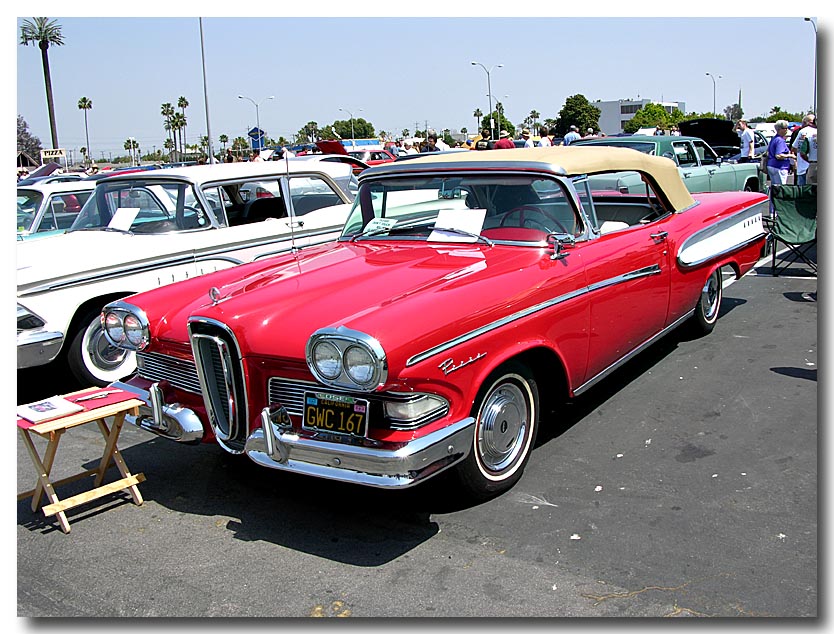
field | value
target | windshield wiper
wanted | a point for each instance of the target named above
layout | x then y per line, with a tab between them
462	232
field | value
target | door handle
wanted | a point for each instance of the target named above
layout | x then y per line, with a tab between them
659	236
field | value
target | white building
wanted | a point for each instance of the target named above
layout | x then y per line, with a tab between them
614	114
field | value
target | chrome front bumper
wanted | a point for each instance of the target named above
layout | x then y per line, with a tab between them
278	447
37	348
171	421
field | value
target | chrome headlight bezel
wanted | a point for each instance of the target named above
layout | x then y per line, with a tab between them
126	326
27	320
363	367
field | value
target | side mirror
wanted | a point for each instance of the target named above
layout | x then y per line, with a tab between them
560	243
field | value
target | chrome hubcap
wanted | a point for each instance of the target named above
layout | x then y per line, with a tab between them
102	354
710	297
503	427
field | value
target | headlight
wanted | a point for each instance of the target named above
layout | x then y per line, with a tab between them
27	320
416	409
125	326
327	359
360	365
347	359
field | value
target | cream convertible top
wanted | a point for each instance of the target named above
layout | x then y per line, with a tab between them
572	161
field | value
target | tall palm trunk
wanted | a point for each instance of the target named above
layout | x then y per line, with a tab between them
53	128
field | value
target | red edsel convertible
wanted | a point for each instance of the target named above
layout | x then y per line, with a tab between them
469	292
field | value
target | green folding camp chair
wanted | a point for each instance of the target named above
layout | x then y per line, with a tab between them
793	223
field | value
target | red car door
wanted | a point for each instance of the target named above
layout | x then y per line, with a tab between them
628	276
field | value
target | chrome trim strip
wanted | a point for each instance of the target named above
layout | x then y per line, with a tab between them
752	215
411	463
422	356
654	269
724	252
188	258
593	381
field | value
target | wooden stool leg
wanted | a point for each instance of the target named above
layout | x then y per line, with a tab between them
112	451
44	485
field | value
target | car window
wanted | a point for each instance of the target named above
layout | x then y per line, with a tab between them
142	207
685	154
28	203
62	210
705	153
309	193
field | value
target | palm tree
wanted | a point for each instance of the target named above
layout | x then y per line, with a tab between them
85	105
534	118
131	145
182	104
168	112
224	140
177	125
478	114
44	32
169	145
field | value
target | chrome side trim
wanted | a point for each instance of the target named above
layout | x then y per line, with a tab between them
729	234
593	381
422	356
37	348
654	269
409	464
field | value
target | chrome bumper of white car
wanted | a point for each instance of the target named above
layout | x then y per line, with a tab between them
37	347
171	421
278	447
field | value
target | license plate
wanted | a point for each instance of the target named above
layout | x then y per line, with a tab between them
335	413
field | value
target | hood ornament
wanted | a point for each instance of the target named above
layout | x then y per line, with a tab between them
214	295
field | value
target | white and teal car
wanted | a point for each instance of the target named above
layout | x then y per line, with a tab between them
147	229
45	209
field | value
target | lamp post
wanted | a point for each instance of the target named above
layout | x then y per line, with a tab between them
711	76
257	115
489	92
809	20
352	135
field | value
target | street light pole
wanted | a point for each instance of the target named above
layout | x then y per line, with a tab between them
257	115
352	135
815	62
711	76
489	92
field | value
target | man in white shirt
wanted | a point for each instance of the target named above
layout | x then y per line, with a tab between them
804	161
528	140
748	141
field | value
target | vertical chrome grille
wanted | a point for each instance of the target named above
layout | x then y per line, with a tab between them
221	381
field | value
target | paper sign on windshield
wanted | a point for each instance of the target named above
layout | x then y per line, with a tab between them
123	218
468	220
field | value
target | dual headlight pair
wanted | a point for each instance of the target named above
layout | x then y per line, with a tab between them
348	359
125	326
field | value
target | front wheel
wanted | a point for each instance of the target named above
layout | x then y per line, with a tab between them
506	422
92	359
709	303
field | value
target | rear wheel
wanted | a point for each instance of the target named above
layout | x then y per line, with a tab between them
709	303
506	422
92	359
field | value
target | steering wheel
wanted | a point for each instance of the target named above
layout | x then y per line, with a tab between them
533	210
185	223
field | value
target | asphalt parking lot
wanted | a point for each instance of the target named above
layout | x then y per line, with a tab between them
683	485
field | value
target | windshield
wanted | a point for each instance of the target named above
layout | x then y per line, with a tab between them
142	207
500	208
28	201
644	147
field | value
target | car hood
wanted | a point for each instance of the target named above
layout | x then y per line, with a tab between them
716	132
331	147
406	296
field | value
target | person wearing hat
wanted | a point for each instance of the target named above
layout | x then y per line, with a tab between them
528	142
572	135
504	142
409	148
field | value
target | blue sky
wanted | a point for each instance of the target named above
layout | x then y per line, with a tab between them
396	72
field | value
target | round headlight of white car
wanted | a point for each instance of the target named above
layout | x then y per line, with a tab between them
360	365
327	359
